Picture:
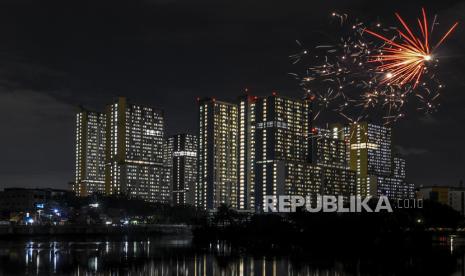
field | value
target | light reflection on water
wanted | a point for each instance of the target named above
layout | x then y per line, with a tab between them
175	256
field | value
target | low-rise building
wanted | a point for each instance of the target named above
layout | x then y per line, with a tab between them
448	195
434	193
26	199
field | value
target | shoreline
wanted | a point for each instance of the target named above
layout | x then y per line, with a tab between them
9	231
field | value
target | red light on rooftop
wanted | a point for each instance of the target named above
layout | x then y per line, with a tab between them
314	130
274	93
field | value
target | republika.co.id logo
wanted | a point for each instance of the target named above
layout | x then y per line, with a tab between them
339	204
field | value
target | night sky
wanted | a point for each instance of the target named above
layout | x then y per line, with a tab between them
57	55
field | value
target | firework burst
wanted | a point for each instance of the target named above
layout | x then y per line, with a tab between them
405	61
357	76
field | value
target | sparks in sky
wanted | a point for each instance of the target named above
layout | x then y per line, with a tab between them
405	58
381	74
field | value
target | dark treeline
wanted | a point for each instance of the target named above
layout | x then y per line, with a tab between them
123	206
326	231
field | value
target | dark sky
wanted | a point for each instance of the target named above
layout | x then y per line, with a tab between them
56	55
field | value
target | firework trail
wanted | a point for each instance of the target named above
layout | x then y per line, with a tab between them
407	59
373	69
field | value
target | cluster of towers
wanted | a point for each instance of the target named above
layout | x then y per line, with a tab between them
243	151
122	151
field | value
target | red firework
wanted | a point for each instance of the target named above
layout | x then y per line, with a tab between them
406	60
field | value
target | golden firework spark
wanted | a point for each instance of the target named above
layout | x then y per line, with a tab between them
406	60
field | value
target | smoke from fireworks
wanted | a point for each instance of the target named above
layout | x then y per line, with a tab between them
367	72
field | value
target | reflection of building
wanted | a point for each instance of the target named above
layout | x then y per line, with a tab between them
153	258
250	266
183	154
217	154
90	153
378	173
128	138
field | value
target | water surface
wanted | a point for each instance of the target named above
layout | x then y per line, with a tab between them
179	256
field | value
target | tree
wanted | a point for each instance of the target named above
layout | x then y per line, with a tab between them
225	215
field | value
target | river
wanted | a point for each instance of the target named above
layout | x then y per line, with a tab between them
178	255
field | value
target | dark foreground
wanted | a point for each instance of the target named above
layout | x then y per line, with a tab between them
14	231
179	255
425	241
